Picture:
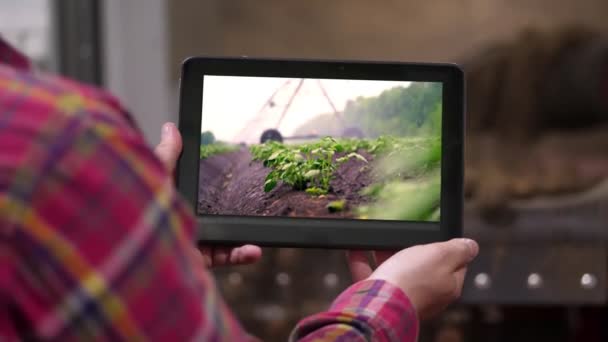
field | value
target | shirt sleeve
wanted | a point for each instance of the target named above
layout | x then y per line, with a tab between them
95	242
370	310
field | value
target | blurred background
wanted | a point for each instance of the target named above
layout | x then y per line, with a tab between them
537	142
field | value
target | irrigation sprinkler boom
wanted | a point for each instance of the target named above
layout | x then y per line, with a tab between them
275	134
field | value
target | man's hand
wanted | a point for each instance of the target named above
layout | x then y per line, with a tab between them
431	275
168	151
170	146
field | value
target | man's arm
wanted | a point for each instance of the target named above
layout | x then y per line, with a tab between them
377	309
370	310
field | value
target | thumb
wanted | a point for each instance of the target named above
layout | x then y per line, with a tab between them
359	265
458	253
170	146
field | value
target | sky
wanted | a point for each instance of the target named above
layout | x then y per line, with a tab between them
231	103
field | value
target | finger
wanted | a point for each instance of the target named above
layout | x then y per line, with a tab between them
382	256
170	146
220	256
359	265
200	265
207	253
246	254
459	277
457	253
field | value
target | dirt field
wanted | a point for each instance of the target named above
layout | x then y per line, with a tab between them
232	184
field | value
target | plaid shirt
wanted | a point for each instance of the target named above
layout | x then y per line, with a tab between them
95	243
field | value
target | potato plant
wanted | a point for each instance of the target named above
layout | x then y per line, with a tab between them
308	167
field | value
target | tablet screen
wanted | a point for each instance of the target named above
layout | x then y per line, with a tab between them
320	148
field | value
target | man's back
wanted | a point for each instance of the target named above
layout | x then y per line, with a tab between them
91	231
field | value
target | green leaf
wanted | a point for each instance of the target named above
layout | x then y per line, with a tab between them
274	155
270	184
335	206
358	156
316	191
311	174
270	175
435	216
372	190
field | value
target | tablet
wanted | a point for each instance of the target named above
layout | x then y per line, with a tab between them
331	154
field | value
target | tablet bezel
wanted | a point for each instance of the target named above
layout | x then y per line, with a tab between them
315	232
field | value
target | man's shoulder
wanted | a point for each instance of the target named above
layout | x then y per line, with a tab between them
44	97
42	118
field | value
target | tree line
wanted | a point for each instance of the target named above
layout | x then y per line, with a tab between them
401	111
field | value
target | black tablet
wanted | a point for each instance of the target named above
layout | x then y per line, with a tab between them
332	154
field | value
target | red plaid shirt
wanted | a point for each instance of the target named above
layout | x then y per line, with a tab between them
94	238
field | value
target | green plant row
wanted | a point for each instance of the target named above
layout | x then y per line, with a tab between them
411	200
406	173
207	151
407	183
311	166
308	167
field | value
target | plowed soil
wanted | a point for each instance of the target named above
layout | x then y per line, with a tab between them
232	184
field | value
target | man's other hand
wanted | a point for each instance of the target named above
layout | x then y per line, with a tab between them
431	275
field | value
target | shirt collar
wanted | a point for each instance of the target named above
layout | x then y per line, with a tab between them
11	57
